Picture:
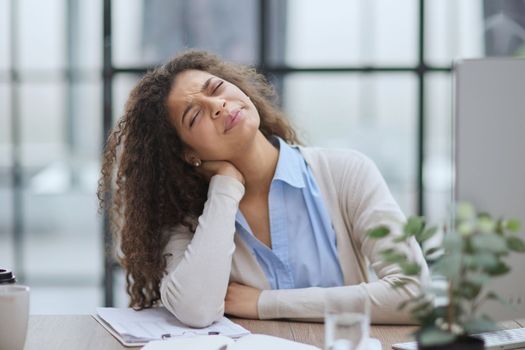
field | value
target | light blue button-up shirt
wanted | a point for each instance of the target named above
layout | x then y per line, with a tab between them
303	250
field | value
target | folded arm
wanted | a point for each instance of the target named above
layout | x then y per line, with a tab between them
365	202
199	264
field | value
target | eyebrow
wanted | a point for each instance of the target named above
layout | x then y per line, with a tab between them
204	87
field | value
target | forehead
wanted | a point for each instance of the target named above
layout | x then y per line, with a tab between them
188	82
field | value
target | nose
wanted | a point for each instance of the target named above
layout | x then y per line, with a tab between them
220	107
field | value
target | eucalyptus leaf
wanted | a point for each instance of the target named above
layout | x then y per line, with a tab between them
422	307
478	278
489	242
453	243
399	284
393	256
439	312
426	234
486	225
420	298
401	238
469	290
465	211
501	226
481	260
410	268
498	270
469	262
388	251
416	300
483	215
435	336
479	325
466	228
414	225
496	296
449	267
513	225
379	232
402	305
516	244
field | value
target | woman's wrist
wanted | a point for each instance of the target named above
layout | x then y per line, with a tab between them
228	185
231	172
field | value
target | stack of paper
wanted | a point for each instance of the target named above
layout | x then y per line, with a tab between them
133	328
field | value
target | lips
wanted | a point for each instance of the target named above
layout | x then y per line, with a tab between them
233	118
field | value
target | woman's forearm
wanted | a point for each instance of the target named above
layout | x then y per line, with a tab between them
199	266
308	304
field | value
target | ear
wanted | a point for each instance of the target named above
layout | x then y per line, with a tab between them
191	157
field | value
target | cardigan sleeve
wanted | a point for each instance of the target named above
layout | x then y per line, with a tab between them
201	262
372	205
365	202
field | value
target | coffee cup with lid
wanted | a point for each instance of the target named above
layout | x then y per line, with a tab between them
14	311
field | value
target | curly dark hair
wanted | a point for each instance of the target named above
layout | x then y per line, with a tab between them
146	185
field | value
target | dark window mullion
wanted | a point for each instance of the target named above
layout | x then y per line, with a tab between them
16	155
263	37
107	117
421	73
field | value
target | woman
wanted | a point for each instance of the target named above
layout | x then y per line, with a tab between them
217	210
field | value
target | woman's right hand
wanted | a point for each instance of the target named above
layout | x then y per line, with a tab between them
220	167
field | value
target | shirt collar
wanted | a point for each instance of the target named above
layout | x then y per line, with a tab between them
290	165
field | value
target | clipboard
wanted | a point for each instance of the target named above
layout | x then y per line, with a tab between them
116	335
136	328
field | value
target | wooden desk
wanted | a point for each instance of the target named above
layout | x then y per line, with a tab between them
82	332
313	333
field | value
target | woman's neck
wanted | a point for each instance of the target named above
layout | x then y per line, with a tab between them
257	164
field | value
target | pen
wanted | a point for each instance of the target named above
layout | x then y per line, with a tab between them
167	335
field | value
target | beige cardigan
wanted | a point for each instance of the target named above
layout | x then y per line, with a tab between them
201	265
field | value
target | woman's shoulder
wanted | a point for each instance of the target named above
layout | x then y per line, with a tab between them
342	168
333	157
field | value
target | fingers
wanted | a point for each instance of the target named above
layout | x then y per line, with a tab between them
212	167
241	301
232	288
209	168
229	300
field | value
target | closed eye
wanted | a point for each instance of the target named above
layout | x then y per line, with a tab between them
217	87
194	118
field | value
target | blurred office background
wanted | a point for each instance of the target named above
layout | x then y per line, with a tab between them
374	75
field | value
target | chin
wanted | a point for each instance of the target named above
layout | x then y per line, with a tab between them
245	138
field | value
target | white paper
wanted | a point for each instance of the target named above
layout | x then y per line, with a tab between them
158	323
203	342
249	342
265	342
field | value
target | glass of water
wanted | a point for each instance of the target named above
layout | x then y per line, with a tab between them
346	326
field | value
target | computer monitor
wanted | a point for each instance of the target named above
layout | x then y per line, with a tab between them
489	152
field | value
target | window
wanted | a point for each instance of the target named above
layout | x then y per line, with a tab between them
373	75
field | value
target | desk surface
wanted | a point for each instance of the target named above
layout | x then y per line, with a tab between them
82	332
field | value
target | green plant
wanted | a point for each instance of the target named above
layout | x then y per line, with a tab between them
472	252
